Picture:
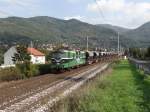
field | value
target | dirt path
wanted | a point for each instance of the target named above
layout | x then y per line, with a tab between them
41	100
16	91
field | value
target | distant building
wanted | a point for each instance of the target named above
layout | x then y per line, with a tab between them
49	47
8	57
37	57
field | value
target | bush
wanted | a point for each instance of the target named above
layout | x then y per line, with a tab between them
9	74
28	69
33	71
22	71
44	69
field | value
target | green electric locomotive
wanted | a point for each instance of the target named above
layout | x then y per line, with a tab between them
65	59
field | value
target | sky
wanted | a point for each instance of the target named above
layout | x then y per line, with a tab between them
125	13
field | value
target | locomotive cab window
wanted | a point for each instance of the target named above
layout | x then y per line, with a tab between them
74	55
58	55
69	55
77	55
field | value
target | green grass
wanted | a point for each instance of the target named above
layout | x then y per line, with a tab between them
125	90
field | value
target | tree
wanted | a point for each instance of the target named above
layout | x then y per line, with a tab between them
22	55
148	53
47	54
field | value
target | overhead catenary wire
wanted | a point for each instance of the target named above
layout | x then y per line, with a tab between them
19	4
105	20
100	10
5	13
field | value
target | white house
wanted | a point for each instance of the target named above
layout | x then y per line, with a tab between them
37	57
8	57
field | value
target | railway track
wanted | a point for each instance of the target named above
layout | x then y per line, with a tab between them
14	91
47	93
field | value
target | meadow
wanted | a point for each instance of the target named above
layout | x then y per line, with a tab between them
122	88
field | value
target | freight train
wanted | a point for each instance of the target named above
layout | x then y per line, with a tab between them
66	59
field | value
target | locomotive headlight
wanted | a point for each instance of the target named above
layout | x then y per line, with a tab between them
58	63
62	61
53	61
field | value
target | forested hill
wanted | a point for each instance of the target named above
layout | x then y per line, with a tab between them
116	28
141	34
52	30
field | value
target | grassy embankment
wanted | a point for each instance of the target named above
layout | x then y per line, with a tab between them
124	90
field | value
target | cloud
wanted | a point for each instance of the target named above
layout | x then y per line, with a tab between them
78	17
125	13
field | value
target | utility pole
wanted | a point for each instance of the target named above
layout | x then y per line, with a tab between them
118	43
31	44
87	43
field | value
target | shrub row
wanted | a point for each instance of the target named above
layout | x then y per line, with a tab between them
9	74
44	69
22	71
28	69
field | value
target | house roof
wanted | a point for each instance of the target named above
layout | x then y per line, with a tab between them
35	52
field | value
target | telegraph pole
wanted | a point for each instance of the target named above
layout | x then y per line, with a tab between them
31	44
87	43
118	43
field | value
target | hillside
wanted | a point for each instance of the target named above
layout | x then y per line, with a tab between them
51	30
141	34
116	28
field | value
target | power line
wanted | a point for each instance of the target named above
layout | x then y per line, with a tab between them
18	3
102	15
87	43
100	10
5	13
118	43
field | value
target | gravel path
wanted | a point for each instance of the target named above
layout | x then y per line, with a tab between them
16	95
